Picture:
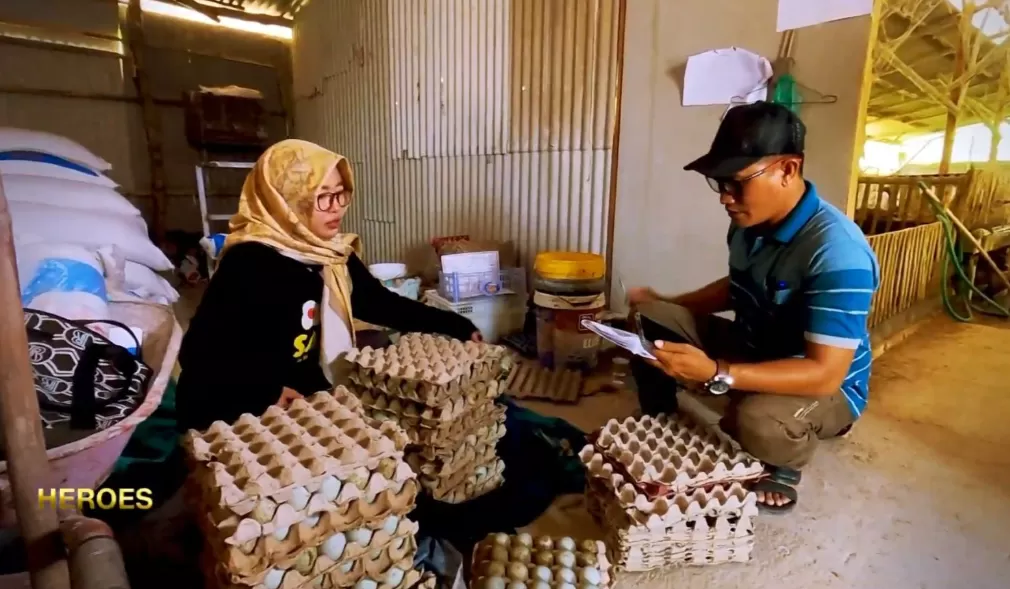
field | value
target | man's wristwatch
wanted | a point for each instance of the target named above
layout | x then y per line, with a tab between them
722	382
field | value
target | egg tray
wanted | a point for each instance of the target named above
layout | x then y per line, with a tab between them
611	518
664	456
455	433
228	527
686	557
408	413
319	572
451	462
730	499
429	369
501	559
270	456
472	473
471	489
282	551
530	380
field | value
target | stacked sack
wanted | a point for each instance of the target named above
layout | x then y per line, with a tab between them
315	495
442	392
77	238
668	491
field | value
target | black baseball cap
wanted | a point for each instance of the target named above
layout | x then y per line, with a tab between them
748	133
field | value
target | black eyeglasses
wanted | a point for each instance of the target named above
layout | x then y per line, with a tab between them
325	201
734	186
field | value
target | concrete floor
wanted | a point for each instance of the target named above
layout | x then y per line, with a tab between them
916	496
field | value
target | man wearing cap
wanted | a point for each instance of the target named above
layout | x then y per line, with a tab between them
795	360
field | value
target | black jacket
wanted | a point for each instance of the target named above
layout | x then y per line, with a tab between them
256	331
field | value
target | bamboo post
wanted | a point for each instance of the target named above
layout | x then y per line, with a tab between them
958	90
27	464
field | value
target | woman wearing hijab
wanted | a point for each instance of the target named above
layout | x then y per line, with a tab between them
281	306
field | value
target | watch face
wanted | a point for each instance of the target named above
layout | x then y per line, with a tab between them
718	388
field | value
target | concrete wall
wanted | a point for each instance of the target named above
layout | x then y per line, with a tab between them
670	231
181	56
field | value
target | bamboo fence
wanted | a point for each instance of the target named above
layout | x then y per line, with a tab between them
909	264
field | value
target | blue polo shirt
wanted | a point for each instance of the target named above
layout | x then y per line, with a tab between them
811	278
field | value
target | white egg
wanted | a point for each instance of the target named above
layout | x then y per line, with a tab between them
395	576
502	539
494	583
566	543
524	540
542	573
567	586
273	578
299	498
566	575
331	488
360	536
542	585
565	559
590	575
366	584
312	520
586	585
282	532
334	546
390	527
516	585
347	566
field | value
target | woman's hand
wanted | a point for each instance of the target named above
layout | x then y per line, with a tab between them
287	397
476	337
684	362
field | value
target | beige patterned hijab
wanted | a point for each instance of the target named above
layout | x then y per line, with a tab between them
276	198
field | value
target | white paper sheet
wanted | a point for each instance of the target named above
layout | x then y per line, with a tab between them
627	340
470	263
726	76
795	14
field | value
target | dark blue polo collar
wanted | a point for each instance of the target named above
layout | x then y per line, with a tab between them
799	216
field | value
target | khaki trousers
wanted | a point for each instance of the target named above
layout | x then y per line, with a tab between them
780	430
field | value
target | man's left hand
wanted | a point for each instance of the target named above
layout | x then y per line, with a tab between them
684	362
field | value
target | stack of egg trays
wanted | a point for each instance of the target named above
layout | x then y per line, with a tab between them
312	493
669	491
543	562
442	392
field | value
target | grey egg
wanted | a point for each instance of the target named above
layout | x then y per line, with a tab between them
566	543
541	585
524	540
566	575
566	559
494	583
542	573
567	586
516	585
590	575
366	584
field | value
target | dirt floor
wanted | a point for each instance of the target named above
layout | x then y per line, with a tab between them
917	496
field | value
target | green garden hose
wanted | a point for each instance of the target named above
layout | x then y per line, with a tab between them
954	255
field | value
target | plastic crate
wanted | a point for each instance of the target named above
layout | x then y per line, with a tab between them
455	287
495	316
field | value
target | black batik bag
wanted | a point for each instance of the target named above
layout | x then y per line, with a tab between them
83	381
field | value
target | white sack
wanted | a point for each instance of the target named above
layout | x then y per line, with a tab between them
62	279
66	193
13	139
47	170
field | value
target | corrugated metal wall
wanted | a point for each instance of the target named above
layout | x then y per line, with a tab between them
493	118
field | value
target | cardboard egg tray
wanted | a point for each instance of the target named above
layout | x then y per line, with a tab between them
286	449
412	414
388	568
665	456
728	499
281	549
430	369
447	462
502	560
530	380
469	483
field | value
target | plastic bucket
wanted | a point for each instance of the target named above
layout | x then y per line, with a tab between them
562	342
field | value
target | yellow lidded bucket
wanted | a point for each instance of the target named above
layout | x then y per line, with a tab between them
570	266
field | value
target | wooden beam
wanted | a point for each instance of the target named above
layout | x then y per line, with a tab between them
152	119
967	33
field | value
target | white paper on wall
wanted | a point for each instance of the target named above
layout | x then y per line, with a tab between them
796	14
726	76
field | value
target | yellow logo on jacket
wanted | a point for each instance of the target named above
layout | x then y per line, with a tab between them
306	341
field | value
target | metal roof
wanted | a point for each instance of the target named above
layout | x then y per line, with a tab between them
279	8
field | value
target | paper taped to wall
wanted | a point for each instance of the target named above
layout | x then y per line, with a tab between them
726	76
796	14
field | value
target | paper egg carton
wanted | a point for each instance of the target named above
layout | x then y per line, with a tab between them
389	568
685	557
729	499
429	369
412	414
468	483
487	421
664	455
503	560
530	380
432	462
285	449
280	550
